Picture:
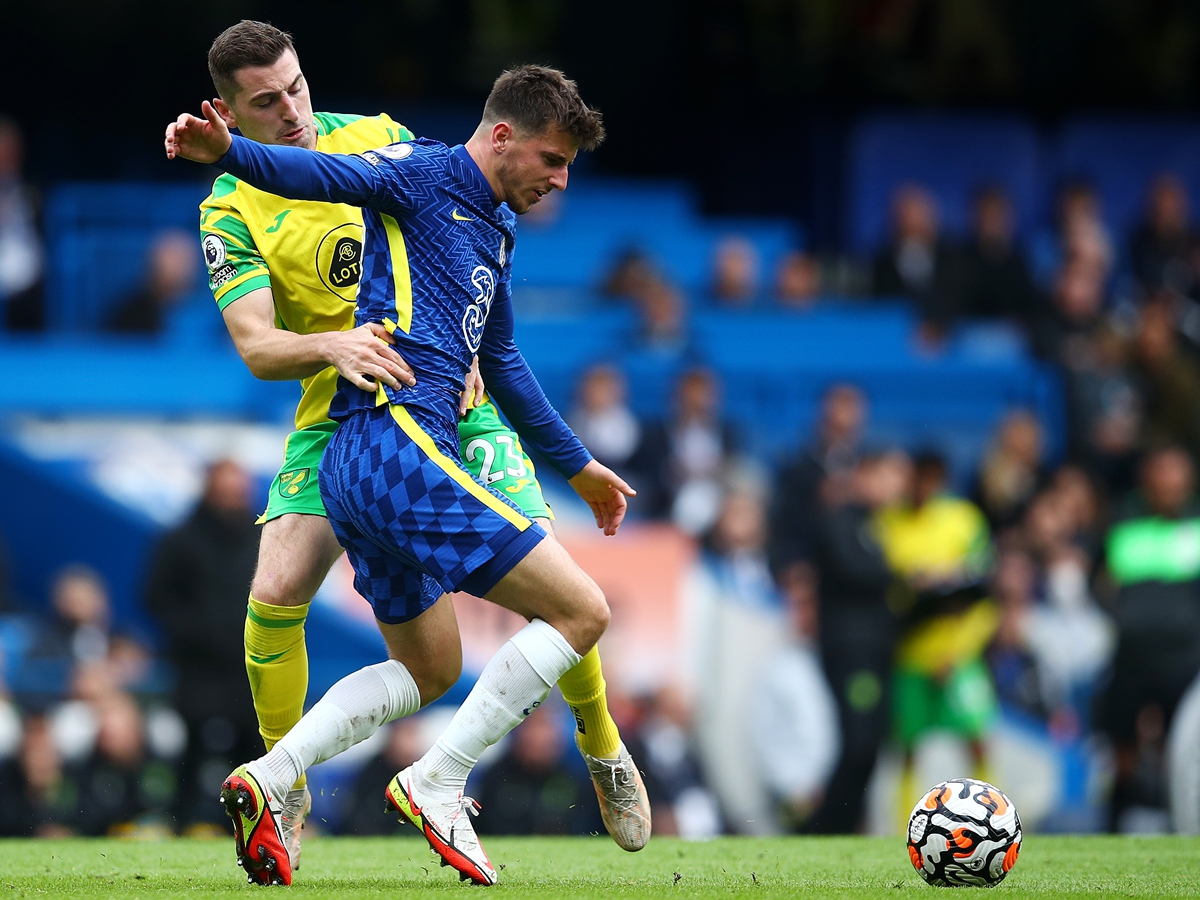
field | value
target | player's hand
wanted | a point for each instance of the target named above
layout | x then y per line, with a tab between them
200	140
605	493
473	390
364	356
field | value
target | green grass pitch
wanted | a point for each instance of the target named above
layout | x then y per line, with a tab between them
594	867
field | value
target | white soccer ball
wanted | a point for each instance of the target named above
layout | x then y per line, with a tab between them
964	833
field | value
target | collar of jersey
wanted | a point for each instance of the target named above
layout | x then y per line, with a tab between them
474	173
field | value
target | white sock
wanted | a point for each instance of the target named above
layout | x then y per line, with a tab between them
351	711
514	683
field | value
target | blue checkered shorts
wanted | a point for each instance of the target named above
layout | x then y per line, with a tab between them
414	522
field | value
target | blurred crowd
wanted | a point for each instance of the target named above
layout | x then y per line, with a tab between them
850	598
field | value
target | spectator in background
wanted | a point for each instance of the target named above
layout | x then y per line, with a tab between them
1011	470
916	263
1152	560
170	277
199	576
793	715
661	736
36	800
694	450
1064	334
825	463
857	632
630	276
661	311
1079	234
995	278
530	789
1162	246
735	273
797	281
939	545
364	815
733	624
1105	409
21	253
124	790
1168	378
79	633
607	426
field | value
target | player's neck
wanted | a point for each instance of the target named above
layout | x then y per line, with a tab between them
479	148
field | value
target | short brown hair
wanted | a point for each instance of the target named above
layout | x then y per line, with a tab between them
534	98
248	43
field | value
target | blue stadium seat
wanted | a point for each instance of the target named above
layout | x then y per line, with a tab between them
952	156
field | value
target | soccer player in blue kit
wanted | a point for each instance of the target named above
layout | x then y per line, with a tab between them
437	265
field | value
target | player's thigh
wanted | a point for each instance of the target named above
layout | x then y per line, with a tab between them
548	584
295	553
429	647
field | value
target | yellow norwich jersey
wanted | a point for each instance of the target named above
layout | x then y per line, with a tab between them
946	537
315	249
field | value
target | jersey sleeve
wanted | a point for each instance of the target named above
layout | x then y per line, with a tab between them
389	180
233	263
511	383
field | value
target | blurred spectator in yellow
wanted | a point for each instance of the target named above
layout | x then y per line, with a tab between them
824	465
530	789
793	714
917	263
797	281
1169	379
1011	470
199	577
170	277
735	279
1153	560
940	546
995	278
1163	246
21	252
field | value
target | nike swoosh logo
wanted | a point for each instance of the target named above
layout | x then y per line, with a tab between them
263	660
459	218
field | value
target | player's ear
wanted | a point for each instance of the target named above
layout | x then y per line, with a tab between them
502	136
225	112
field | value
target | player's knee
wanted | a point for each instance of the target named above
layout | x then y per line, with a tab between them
593	616
437	676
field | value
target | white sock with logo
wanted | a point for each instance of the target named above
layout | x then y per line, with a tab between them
513	683
351	711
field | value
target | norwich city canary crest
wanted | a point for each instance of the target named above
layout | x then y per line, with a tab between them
291	483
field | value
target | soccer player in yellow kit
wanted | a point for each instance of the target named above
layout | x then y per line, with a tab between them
284	274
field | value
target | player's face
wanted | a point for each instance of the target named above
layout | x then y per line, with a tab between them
272	105
534	165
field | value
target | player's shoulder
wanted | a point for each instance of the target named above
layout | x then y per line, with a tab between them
350	133
421	152
224	194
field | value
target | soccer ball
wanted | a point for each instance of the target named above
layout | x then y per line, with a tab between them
964	833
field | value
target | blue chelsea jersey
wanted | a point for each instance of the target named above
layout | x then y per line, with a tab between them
436	271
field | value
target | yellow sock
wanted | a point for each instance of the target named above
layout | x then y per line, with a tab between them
277	664
583	689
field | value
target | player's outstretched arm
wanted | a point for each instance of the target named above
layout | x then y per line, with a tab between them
363	356
291	172
605	492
